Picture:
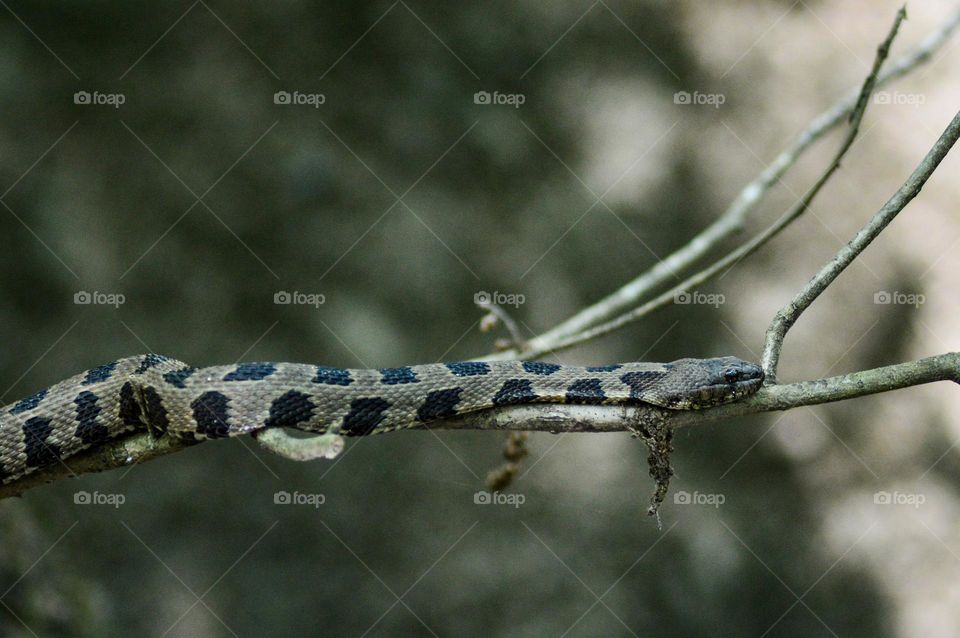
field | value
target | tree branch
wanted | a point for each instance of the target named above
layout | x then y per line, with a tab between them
556	418
727	225
749	247
786	317
561	418
124	451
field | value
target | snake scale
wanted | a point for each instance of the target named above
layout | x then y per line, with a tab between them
165	396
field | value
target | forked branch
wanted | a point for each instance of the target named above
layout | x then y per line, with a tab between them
625	306
786	317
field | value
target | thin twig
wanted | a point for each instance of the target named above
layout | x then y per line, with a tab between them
787	315
730	222
516	336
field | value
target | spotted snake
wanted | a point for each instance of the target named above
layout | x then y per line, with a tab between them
165	396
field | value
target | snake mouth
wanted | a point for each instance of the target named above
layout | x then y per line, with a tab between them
748	386
719	393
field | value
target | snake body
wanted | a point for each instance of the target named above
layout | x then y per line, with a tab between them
169	397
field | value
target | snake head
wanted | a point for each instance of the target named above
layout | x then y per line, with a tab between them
711	382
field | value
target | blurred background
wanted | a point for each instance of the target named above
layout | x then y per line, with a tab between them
194	161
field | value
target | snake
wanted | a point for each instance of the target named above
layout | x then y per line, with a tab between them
167	397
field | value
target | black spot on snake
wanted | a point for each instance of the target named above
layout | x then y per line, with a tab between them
39	452
88	430
150	361
130	411
177	377
515	391
364	416
539	367
439	404
396	376
210	413
100	373
469	368
585	391
609	368
29	403
251	372
289	410
640	381
332	376
156	412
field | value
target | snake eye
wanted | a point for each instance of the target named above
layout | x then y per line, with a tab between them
730	374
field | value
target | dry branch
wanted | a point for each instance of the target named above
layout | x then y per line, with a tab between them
624	301
786	317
